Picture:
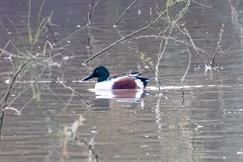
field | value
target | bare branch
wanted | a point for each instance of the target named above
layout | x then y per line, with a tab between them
163	45
122	39
5	98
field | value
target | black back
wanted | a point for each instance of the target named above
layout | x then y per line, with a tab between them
144	80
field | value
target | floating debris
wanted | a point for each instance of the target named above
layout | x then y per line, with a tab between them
7	81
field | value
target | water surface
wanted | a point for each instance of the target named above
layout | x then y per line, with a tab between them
53	116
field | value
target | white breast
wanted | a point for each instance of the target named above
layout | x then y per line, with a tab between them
108	84
103	85
139	83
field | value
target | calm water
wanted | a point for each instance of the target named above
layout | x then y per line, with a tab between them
47	120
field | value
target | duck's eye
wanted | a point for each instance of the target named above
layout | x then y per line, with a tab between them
95	72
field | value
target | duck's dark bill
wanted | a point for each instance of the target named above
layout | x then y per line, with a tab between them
88	77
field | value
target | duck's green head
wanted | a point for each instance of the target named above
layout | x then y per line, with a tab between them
99	72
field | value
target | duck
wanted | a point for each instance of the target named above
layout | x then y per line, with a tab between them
130	81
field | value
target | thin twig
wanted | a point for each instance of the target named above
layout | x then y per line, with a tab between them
123	13
16	111
18	36
185	32
24	90
156	5
30	36
234	15
182	13
200	4
163	46
170	38
188	65
4	48
218	48
51	33
91	5
182	99
73	90
90	148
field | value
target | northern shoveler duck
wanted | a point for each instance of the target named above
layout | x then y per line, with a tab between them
128	81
